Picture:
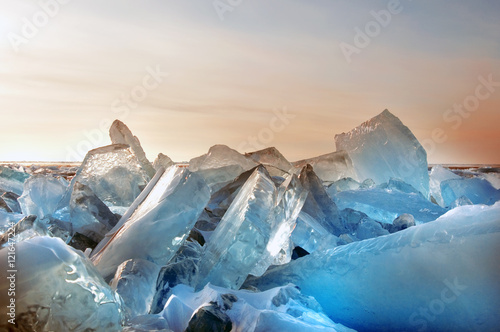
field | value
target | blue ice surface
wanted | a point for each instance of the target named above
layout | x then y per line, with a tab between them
386	204
477	190
438	276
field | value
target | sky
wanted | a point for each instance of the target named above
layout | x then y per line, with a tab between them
248	74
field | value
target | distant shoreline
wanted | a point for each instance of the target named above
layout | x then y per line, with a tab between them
78	163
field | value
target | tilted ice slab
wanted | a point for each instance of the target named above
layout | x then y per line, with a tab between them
477	190
330	167
42	194
88	214
113	173
318	204
7	219
12	180
156	225
278	309
253	232
385	205
493	178
439	276
437	175
58	288
383	148
11	203
120	134
310	235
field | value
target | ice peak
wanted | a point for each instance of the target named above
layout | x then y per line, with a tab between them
383	147
270	156
121	134
219	156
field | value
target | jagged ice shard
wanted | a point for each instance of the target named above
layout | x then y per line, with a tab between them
438	276
120	134
273	159
135	282
437	175
155	225
114	174
477	190
57	289
88	214
252	242
330	167
220	166
252	232
383	148
41	195
12	180
386	204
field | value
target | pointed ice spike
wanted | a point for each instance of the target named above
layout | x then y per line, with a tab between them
162	161
120	134
318	204
291	197
241	236
89	215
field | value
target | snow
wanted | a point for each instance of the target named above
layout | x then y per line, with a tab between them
279	309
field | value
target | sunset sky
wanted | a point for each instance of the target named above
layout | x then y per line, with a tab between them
185	75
